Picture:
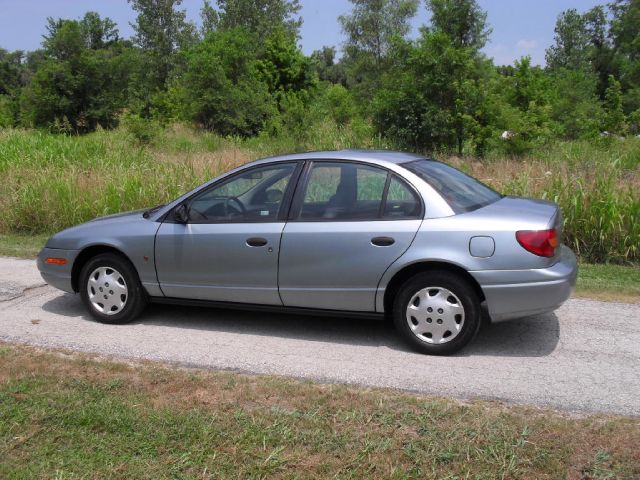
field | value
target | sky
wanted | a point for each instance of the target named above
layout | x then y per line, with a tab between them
520	27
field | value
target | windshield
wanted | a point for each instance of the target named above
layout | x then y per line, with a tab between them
462	192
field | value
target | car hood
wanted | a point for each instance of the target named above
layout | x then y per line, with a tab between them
97	230
118	217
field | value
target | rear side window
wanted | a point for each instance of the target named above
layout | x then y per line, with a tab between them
402	201
342	191
462	192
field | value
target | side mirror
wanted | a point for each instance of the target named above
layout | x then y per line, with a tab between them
181	214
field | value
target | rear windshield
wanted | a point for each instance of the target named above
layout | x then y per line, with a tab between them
462	192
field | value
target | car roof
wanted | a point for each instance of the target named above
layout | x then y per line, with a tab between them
357	155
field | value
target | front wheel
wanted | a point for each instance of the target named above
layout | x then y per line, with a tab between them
437	313
111	290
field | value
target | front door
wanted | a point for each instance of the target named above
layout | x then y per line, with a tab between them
228	250
352	222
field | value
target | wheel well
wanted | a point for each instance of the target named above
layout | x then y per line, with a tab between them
410	270
84	256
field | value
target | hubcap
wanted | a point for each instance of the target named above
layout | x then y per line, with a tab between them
435	315
107	290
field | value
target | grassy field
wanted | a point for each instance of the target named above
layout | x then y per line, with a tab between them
54	181
71	416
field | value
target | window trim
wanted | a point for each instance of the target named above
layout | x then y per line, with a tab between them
298	199
282	210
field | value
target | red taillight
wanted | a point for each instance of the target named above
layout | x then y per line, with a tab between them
538	242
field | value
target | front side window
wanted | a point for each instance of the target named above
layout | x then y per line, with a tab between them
462	192
252	196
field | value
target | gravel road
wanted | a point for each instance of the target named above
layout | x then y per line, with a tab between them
584	357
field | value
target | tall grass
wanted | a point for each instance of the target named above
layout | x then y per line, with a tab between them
596	185
50	182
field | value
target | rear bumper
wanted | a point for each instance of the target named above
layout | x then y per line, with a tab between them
58	276
519	293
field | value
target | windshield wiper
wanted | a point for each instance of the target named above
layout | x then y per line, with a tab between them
152	210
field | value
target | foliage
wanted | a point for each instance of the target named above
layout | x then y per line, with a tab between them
570	50
437	102
143	130
160	31
435	93
326	66
615	118
76	88
463	21
282	66
7	113
261	17
371	29
342	108
224	92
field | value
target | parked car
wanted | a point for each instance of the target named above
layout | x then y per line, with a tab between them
342	233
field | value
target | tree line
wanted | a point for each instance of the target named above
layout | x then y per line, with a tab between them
242	73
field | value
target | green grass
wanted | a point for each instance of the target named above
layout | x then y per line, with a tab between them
609	282
68	416
22	246
53	181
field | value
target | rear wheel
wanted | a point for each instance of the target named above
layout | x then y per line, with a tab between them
437	313
111	290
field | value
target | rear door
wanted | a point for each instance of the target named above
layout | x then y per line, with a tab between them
348	223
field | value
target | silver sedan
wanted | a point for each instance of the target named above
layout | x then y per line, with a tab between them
371	233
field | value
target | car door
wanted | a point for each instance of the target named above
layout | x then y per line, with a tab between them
228	249
348	223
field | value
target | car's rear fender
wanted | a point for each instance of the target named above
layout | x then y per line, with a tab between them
449	241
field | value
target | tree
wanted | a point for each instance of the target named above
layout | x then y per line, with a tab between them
614	113
571	43
12	77
98	32
463	21
160	30
575	105
438	101
282	65
210	18
371	29
11	71
75	87
582	43
260	17
222	86
625	36
328	70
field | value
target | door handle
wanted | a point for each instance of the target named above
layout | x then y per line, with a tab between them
382	241
256	242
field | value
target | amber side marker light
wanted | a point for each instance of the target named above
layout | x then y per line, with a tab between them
57	261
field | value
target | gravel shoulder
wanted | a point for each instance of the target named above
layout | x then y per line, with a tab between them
584	357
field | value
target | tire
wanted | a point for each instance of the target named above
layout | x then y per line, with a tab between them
428	331
111	290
